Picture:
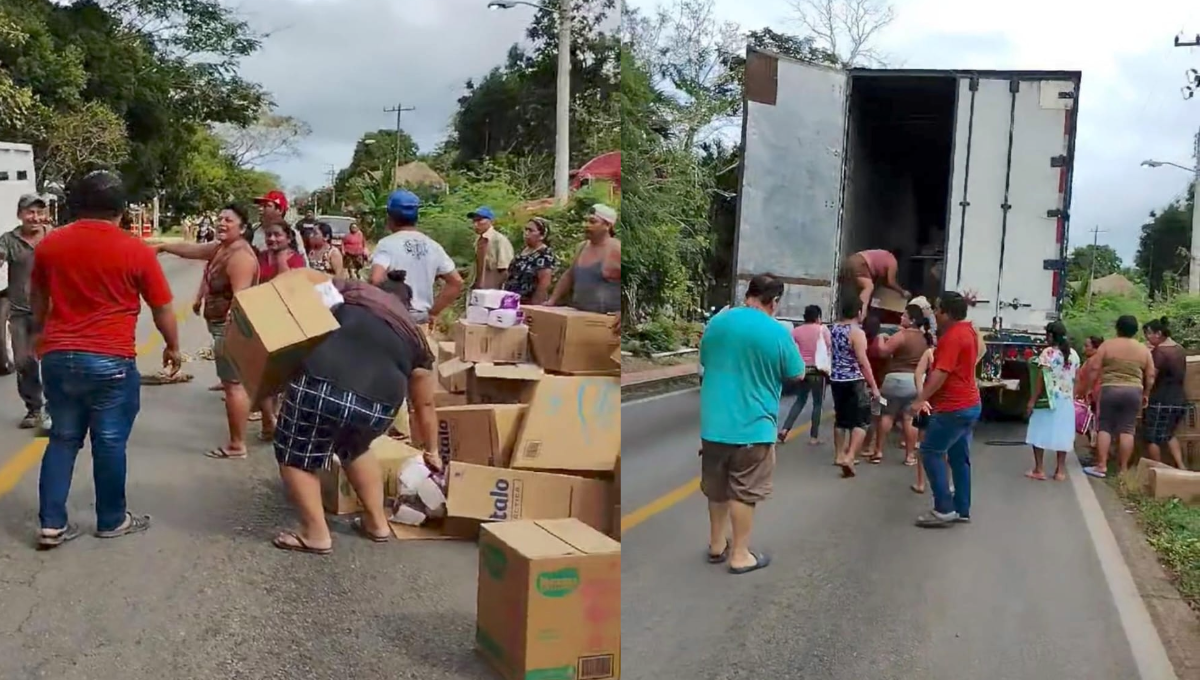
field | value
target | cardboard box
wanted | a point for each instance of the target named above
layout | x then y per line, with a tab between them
476	342
483	434
1191	380
446	351
1190	425
443	398
1167	482
452	375
502	383
616	522
573	423
338	497
272	327
549	601
566	340
498	494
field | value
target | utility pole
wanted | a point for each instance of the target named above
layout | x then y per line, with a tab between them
1096	231
399	110
562	108
1194	269
331	173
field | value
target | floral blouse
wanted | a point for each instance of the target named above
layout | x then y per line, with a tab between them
1058	373
523	271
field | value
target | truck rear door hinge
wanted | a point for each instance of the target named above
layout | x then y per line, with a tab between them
1056	212
1058	161
973	84
1066	94
1054	265
1014	86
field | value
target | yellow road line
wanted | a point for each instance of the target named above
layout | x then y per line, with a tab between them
30	455
670	499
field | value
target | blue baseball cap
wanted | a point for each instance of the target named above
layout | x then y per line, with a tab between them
482	213
403	203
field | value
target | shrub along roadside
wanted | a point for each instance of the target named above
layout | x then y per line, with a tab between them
1173	530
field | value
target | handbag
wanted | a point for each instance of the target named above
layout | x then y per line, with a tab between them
1083	417
821	358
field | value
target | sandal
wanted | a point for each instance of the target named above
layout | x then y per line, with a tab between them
266	436
290	540
222	453
917	489
910	461
876	459
361	529
254	416
761	561
719	558
52	538
847	470
133	524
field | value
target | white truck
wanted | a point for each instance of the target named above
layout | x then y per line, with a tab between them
964	171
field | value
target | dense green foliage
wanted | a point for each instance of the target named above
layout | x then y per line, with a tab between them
1104	258
132	85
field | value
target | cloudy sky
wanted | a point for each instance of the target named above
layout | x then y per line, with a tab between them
1131	106
336	64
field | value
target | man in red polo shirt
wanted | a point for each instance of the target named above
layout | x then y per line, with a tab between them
951	396
89	280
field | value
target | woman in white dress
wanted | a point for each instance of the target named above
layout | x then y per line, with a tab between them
1051	403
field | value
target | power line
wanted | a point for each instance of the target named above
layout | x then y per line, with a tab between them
1096	231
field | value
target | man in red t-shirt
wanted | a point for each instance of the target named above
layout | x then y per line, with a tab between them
89	280
951	396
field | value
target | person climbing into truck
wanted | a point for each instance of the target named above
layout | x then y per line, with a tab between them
866	269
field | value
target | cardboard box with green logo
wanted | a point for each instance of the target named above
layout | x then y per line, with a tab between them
549	601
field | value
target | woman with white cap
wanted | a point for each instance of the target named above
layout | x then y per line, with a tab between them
594	279
927	310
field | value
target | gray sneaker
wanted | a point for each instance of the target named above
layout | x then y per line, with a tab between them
935	519
32	420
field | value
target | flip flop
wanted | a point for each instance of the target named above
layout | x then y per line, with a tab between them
297	544
910	462
847	470
761	561
717	559
134	524
54	538
222	453
1037	476
876	460
361	529
916	489
254	416
266	436
1094	472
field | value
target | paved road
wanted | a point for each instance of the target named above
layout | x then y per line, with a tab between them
856	592
202	595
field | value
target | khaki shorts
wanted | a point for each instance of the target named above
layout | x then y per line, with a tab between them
732	472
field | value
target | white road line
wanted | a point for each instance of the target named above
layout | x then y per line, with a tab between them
656	397
1147	648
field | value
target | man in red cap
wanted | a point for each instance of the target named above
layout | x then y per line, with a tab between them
273	206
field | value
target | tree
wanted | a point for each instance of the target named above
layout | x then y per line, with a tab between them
1079	264
511	110
375	152
80	140
846	28
1164	246
271	137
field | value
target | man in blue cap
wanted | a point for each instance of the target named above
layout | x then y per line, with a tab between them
493	250
422	259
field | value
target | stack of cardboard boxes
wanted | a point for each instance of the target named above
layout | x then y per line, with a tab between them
529	429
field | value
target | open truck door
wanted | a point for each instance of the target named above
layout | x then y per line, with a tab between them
793	160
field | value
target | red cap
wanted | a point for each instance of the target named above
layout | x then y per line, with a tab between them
277	198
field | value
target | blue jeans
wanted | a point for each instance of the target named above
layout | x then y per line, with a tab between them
948	445
96	394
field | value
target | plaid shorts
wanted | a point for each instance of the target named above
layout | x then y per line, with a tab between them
1160	422
318	420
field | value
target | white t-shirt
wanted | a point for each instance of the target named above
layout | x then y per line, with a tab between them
422	257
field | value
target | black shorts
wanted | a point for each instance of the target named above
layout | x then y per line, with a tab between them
851	405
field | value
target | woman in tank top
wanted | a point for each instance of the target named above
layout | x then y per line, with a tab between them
322	255
232	266
1168	404
899	388
851	383
593	280
1126	375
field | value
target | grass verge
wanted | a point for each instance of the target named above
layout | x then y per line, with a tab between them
1173	530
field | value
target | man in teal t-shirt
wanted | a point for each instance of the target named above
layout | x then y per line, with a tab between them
747	356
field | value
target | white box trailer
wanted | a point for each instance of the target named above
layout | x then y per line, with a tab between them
967	169
17	178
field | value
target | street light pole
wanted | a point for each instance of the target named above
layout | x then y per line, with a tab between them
562	108
1194	251
562	123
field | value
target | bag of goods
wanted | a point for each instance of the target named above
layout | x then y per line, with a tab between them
506	318
494	299
422	494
